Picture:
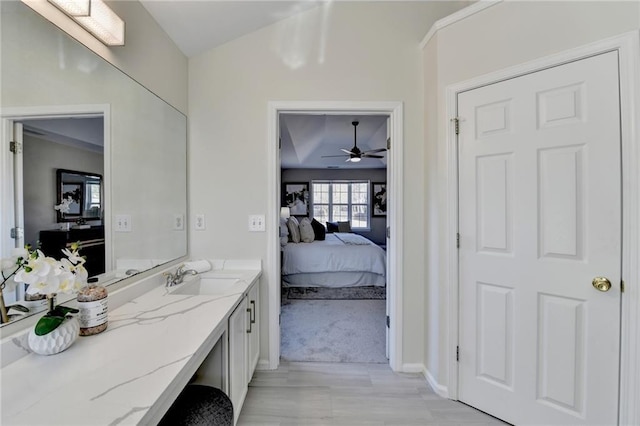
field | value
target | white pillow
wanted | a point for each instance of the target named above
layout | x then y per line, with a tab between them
306	230
294	230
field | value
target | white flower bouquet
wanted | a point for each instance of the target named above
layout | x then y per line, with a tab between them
48	276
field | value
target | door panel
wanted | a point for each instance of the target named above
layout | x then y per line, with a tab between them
540	208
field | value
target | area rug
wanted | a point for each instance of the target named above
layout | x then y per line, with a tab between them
333	331
341	293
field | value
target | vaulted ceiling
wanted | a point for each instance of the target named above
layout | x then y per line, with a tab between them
198	26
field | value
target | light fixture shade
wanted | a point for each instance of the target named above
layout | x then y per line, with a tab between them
285	212
355	159
73	7
103	23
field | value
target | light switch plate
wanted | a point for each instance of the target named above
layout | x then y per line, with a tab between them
256	223
178	222
200	223
122	223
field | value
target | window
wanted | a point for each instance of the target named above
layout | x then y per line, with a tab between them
342	201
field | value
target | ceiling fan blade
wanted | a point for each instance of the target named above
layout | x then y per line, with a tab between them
329	156
372	156
375	150
348	152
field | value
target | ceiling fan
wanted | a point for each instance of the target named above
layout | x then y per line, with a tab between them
355	155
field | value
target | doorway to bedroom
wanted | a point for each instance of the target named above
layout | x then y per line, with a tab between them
333	237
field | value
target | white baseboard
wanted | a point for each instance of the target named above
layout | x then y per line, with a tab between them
412	368
263	364
439	389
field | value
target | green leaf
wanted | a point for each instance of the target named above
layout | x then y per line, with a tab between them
18	308
63	310
52	319
47	324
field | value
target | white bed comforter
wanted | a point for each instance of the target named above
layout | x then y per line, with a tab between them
334	255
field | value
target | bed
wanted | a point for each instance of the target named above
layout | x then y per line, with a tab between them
341	260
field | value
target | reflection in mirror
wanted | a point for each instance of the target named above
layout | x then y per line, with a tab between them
142	161
79	195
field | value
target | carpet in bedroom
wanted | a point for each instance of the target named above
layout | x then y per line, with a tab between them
333	331
368	292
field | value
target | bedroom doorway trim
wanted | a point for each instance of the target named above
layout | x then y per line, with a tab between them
394	251
627	46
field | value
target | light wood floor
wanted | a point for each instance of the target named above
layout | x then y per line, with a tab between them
310	393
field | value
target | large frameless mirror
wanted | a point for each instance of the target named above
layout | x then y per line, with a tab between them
120	151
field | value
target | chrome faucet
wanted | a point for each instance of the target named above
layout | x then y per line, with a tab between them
178	276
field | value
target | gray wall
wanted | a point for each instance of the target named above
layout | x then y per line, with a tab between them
41	159
378	224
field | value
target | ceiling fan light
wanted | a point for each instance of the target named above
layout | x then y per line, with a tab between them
355	159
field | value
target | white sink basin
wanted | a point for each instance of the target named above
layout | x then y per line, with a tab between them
222	274
207	286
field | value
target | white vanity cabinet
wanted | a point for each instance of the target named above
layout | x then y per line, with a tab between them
238	384
244	346
254	330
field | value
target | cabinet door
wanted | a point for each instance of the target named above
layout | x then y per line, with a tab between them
238	327
254	335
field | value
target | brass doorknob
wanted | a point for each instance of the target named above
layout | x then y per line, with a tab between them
601	283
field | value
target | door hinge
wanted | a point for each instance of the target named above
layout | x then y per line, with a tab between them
15	147
458	240
279	143
622	286
388	232
456	125
458	353
388	143
388	322
17	233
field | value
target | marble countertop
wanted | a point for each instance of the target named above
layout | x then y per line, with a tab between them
131	372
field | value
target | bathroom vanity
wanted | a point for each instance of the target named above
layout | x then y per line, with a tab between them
159	339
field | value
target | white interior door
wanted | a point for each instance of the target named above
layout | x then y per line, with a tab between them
388	243
18	184
540	218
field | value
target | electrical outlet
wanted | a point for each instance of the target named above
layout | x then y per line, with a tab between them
122	223
256	223
178	222
200	223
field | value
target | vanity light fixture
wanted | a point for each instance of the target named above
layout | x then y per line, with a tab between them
95	17
73	7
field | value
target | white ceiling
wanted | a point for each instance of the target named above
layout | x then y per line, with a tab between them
307	138
198	26
201	25
79	132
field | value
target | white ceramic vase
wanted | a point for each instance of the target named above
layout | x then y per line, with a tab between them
56	341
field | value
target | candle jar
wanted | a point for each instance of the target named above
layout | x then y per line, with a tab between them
92	303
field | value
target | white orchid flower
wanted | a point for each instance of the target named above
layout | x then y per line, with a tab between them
46	275
81	275
8	264
67	283
73	256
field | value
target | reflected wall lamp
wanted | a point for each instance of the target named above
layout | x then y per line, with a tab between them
285	212
95	17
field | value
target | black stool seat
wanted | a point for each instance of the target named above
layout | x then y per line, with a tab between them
199	405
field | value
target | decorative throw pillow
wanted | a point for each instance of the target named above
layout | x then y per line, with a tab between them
332	227
344	227
294	229
318	230
306	230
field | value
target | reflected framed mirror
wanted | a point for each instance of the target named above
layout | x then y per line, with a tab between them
79	195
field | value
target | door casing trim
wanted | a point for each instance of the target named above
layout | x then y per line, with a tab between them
394	220
628	47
